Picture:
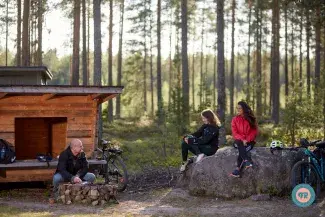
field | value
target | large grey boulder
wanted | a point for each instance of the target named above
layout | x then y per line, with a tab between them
270	174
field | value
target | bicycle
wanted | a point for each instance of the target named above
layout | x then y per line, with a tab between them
311	169
114	170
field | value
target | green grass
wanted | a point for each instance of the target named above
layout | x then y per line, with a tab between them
144	143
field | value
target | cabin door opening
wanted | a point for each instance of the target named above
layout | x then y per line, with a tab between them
40	136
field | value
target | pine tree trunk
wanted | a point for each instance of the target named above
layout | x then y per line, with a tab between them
97	43
84	46
7	30
178	102
261	75
193	80
151	66
275	62
308	58
221	67
272	62
18	55
110	60
31	34
206	88
88	43
98	59
215	76
324	87
258	61
159	92
120	56
25	44
40	31
232	64
292	51
185	80
300	53
170	60
249	50
237	76
76	40
201	61
317	53
145	58
286	72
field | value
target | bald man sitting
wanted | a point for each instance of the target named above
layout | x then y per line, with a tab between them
72	167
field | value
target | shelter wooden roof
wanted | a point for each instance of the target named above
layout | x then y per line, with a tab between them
102	93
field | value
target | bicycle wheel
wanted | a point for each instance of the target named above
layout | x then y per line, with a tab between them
305	173
116	172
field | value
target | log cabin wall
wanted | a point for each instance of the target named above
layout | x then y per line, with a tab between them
79	111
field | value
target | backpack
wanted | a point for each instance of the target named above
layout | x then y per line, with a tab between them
7	152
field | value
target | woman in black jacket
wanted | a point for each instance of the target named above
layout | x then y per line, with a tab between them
204	141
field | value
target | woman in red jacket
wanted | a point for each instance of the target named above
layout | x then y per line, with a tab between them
244	131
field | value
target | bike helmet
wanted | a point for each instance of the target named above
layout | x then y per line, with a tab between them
43	157
276	144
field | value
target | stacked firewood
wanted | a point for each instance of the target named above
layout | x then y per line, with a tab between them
95	194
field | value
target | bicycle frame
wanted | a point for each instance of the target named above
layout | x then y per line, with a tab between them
106	154
312	158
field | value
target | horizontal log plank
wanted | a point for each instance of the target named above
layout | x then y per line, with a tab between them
7	128
49	113
39	99
25	107
10	120
79	133
36	163
10	128
30	175
6	136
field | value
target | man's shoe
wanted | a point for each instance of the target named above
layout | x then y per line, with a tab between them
54	197
51	200
199	158
235	173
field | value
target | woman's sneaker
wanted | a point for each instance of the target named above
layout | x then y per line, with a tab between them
199	158
183	166
248	165
235	173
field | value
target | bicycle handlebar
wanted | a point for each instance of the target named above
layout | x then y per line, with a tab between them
305	143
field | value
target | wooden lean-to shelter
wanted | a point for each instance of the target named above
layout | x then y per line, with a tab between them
44	119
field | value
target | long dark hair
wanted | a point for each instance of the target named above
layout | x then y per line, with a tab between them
211	116
248	114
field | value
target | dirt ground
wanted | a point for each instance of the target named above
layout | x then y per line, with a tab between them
158	202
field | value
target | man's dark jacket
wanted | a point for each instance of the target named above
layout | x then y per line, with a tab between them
70	166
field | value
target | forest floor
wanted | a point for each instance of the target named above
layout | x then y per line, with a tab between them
163	202
152	199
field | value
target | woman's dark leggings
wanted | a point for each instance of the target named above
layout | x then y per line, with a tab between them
197	149
243	150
